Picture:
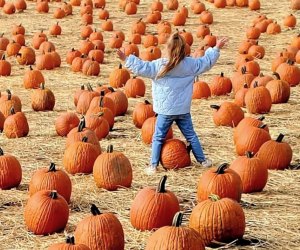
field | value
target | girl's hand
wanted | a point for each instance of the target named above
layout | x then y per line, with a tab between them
121	54
221	42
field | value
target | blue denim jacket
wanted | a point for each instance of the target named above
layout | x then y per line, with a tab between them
172	94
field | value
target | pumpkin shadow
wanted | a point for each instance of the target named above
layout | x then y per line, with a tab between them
23	187
249	241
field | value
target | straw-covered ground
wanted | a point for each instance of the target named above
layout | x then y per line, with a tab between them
272	216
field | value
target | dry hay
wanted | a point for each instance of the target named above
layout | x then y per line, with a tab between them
272	215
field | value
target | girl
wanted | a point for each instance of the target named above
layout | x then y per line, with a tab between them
172	89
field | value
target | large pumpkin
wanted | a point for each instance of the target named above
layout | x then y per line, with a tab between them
16	125
279	90
201	90
153	208
221	181
42	99
46	212
100	231
51	179
220	85
10	171
175	237
112	170
289	72
68	245
221	220
119	77
33	78
120	100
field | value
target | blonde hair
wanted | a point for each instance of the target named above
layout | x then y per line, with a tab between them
176	51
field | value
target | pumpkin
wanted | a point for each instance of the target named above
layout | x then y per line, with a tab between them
51	179
240	78
186	238
148	128
40	213
261	80
112	170
96	35
46	46
86	46
120	100
277	61
91	67
257	51
98	238
296	41
273	28
99	45
8	101
11	171
67	7
78	62
253	32
71	55
142	111
33	78
206	17
179	19
175	154
38	39
201	90
42	6
103	14
102	101
241	3
65	123
254	4
42	99
251	67
239	97
80	156
172	4
202	31
98	124
96	55
136	38
131	48
99	3
115	42
295	5
153	208
130	8
70	244
86	31
290	21
20	39
77	94
157	6
221	220
262	25
5	67
18	29
164	27
276	154
138	27
228	114
198	8
241	58
9	8
87	18
279	90
150	40
135	87
45	61
59	13
289	72
3	42
85	100
119	77
220	85
220	3
252	140
12	49
75	2
15	125
86	8
107	25
221	181
55	30
26	56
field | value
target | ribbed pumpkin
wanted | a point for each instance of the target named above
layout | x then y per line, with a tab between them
71	55
221	220
41	212
251	139
119	77
15	125
220	85
51	179
100	231
10	171
112	170
119	99
253	172
148	128
185	238
153	208
68	245
135	87
42	99
8	101
261	80
276	154
251	67
239	97
240	78
201	90
91	67
257	51
175	154
289	72
102	101
65	122
85	99
80	156
227	114
141	113
33	78
279	90
26	56
258	100
98	124
221	181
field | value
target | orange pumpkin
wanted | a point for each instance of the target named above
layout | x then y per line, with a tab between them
141	113
65	123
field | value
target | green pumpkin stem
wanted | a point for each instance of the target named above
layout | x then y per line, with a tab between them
81	125
249	154
94	210
52	167
177	220
110	149
1	152
70	240
213	106
8	94
280	137
53	194
221	168
214	197
161	188
84	139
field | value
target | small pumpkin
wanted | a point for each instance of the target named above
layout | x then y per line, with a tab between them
239	97
279	90
142	111
8	101
150	40
91	67
202	31
26	56
42	99
15	125
55	30
157	6
5	67
253	32
3	42
33	78
138	27
42	6
107	25
12	49
65	122
289	72
273	28
254	4
119	77
220	85
85	99
172	4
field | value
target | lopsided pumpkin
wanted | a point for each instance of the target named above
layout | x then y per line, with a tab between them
65	123
42	99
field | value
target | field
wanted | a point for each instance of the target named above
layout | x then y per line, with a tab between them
272	216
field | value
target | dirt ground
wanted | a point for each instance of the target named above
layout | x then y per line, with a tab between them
272	216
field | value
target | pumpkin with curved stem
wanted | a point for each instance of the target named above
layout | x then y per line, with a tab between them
40	213
51	179
42	99
12	49
252	140
240	78
251	67
135	87
15	125
102	101
289	72
98	124
201	90
98	238
8	101
239	97
175	154
10	171
185	238
279	90
80	156
5	67
112	170
85	99
68	245
26	56
142	112
276	154
119	77
258	100
220	85
65	123
221	220
33	78
221	181
119	99
153	208
253	172
227	114
148	128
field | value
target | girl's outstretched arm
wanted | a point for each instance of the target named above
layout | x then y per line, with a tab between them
138	66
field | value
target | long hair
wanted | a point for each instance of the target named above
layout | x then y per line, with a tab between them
176	52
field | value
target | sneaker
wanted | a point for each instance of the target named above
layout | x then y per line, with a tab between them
207	163
150	170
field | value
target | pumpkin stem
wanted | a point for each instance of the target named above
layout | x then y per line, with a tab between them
3	57
221	168
52	167
222	74
111	89
213	106
245	85
249	154
290	62
81	125
147	102
262	126
161	188
53	194
255	85
82	87
177	220
102	93
89	87
8	94
276	75
70	240
110	148
134	77
280	137
261	118
1	152
12	111
120	66
243	69
84	139
42	85
94	210
30	67
214	197
101	101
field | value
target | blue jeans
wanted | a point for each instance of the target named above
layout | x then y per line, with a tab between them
184	123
